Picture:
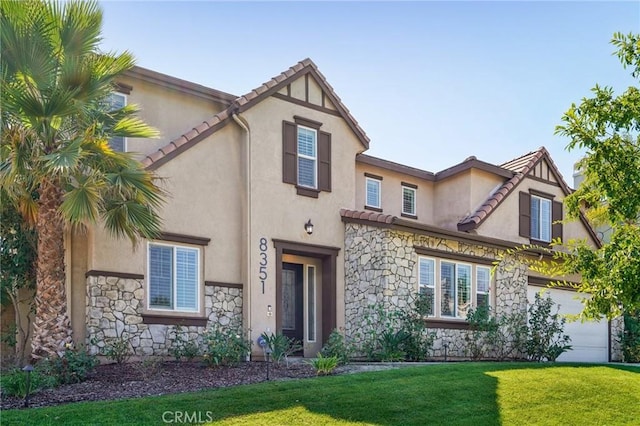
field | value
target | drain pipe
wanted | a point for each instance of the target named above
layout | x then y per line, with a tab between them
247	290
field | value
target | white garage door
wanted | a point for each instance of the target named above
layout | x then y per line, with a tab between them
590	340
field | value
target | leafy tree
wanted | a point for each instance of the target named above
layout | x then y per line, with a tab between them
56	123
17	270
608	127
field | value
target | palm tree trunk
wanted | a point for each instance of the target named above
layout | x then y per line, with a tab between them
52	328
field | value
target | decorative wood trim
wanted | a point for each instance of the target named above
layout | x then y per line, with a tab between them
539	179
409	216
305	104
165	320
307	122
447	324
303	249
541	194
307	192
453	256
126	275
372	176
221	284
306	87
409	185
180	238
289	90
324	105
375	209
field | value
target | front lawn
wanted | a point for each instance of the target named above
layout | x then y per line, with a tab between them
451	394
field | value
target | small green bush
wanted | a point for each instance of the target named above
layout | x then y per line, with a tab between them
545	339
225	346
73	366
324	365
281	346
118	349
337	347
14	382
182	347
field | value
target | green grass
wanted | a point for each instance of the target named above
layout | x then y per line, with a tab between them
448	394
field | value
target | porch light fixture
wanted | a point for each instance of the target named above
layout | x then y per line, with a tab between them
308	227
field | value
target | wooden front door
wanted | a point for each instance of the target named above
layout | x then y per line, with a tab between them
292	303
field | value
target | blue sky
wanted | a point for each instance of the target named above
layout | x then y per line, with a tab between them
430	82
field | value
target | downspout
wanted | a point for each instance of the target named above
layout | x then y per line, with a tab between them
247	289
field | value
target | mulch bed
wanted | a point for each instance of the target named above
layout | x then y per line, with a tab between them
113	381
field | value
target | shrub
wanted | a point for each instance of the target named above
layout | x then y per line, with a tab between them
14	382
324	365
396	335
336	347
118	349
630	338
281	346
501	338
545	338
225	345
183	347
73	366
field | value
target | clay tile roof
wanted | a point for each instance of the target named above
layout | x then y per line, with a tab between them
367	216
521	166
244	102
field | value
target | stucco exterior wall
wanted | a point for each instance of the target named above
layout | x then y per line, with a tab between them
451	201
278	212
167	109
205	200
391	191
503	222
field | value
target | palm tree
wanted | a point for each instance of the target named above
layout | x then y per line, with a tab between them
56	163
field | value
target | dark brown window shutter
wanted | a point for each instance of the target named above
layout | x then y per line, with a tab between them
324	161
289	153
525	214
556	215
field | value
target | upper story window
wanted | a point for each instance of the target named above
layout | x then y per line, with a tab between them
306	159
450	286
540	217
117	101
409	200
174	277
373	190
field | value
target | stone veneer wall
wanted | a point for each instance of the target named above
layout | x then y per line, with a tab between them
380	269
617	327
114	309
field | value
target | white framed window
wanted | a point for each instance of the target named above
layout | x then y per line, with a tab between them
540	218
452	285
408	200
426	281
307	157
117	101
311	303
483	286
374	192
173	278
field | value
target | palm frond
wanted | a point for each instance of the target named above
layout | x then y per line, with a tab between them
81	203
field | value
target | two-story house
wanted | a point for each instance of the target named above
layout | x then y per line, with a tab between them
278	222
